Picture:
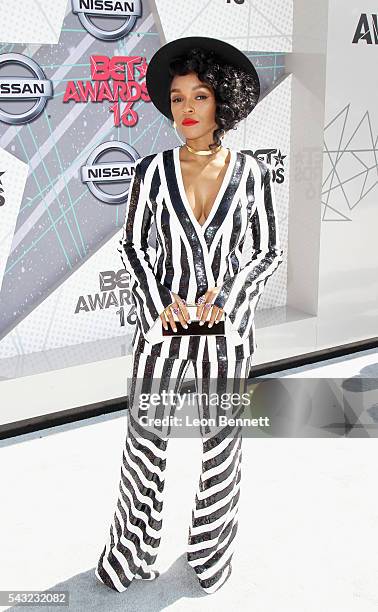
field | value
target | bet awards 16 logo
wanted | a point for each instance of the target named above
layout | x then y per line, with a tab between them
274	158
114	291
114	79
2	198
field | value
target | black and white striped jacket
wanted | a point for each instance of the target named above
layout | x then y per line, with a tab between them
189	258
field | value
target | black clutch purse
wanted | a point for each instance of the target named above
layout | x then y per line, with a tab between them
194	328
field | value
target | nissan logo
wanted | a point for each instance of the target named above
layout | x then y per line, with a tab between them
15	89
113	173
111	10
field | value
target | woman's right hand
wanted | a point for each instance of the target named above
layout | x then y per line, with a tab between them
182	313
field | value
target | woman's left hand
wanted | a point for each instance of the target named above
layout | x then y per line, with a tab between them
206	307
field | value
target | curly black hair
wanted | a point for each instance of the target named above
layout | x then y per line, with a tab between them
234	89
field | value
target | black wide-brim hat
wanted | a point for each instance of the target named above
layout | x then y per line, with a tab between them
158	78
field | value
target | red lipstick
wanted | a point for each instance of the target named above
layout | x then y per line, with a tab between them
189	122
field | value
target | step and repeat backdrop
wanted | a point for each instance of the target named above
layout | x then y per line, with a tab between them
74	116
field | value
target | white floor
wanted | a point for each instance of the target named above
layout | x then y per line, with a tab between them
308	523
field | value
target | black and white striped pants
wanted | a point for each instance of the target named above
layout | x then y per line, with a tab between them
134	537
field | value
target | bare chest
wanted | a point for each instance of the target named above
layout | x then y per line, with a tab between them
202	186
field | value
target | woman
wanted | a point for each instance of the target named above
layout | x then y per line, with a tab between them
204	200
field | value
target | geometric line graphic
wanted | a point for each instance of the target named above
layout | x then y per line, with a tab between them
266	26
350	167
13	176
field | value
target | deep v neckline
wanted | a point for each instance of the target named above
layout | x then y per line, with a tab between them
218	197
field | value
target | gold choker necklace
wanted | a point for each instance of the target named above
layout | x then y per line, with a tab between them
203	152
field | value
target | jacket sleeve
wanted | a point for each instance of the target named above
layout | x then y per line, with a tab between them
240	293
149	295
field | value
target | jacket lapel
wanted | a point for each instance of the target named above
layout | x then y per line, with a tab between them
194	241
200	239
227	200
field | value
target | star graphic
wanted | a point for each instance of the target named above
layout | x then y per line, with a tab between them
279	158
142	69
